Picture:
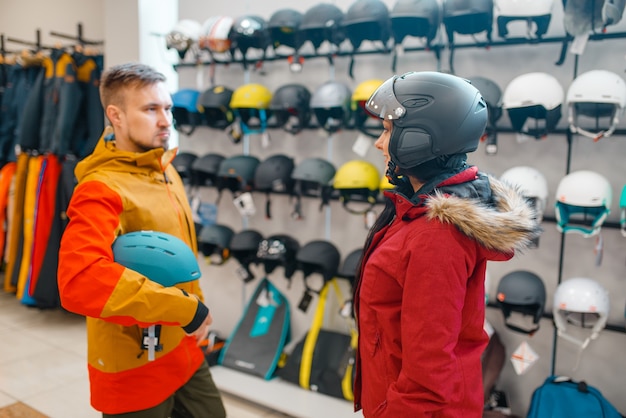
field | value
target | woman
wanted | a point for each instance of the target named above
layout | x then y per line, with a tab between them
419	296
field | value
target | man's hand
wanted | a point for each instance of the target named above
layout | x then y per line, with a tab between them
202	332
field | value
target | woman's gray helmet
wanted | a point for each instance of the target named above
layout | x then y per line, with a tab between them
433	114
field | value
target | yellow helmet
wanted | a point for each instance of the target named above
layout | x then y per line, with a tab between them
385	184
357	180
251	96
364	90
363	120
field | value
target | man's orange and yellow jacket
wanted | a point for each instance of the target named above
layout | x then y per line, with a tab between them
120	192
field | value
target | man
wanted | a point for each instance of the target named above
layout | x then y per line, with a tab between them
128	184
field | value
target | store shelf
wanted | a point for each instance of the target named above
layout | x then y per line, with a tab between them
281	396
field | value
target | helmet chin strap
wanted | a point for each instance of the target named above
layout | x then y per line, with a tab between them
391	174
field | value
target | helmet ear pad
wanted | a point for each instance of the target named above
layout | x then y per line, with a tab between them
409	147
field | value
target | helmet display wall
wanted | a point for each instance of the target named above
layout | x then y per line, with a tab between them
536	159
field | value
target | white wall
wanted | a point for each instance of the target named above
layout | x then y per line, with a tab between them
602	362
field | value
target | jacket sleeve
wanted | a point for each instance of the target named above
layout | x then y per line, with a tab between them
434	292
92	284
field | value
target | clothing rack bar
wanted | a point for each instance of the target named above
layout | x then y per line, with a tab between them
78	37
37	44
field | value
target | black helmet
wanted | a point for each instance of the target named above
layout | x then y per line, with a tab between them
204	169
524	292
214	104
236	173
417	18
433	114
331	105
493	97
243	247
350	265
284	26
367	20
273	175
249	32
312	175
467	17
318	256
291	101
313	178
279	250
214	243
182	163
492	94
321	23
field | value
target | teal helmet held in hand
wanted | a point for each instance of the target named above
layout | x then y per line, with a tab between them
161	257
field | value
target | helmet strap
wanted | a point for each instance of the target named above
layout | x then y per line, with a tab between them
392	176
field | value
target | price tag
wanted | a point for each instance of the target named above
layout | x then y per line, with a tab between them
265	140
579	43
245	204
361	145
307	297
370	218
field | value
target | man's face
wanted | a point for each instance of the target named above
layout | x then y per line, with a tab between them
145	119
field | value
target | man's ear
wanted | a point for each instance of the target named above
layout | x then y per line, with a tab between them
113	114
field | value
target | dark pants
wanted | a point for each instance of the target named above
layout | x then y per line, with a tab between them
198	398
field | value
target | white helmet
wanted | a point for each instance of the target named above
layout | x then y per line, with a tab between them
582	302
183	35
215	31
531	183
584	16
583	201
538	12
596	94
534	95
622	209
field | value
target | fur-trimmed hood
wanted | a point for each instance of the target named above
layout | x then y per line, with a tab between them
503	221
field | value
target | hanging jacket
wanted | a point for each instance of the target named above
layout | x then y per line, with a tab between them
90	120
19	103
120	192
58	99
420	298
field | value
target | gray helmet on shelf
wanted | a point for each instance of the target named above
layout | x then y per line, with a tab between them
279	250
417	18
236	173
524	292
313	173
214	243
322	23
291	107
433	114
243	247
367	20
183	164
350	265
318	256
204	169
283	26
331	103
